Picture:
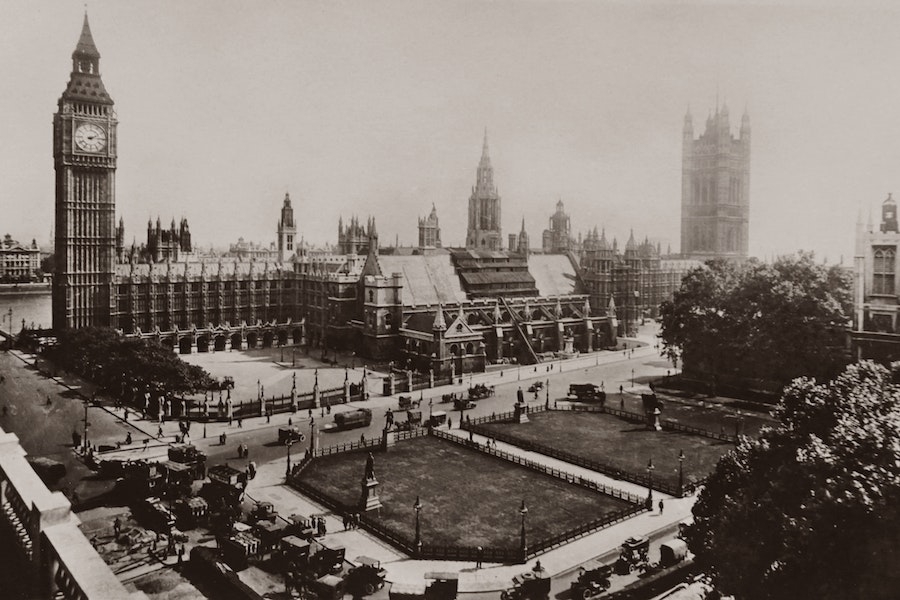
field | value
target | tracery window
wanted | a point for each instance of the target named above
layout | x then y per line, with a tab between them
883	270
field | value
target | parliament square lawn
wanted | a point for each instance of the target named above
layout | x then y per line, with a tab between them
621	444
469	498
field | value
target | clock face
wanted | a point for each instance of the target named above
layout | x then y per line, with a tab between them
90	137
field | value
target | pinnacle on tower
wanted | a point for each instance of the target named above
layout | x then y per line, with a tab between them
86	46
439	322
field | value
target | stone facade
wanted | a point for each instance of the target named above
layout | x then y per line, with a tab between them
715	192
430	230
876	295
84	156
19	262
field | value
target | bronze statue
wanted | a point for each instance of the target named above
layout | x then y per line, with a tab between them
370	466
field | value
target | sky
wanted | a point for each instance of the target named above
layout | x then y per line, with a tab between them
379	108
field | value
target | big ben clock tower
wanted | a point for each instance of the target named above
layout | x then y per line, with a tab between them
84	156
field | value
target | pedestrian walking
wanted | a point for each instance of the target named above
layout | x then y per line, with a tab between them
159	432
310	414
479	555
449	423
128	439
146	443
240	423
661	506
117	526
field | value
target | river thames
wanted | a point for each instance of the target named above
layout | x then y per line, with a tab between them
34	309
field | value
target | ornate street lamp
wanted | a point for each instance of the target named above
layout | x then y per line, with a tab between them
650	468
681	472
523	541
418	541
287	471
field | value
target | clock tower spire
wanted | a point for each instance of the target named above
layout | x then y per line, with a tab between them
84	157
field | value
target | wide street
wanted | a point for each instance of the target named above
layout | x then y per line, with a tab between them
611	369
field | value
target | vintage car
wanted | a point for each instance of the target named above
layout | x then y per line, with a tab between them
633	555
591	583
365	578
407	402
480	391
530	585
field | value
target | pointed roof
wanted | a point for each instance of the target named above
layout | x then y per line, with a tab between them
86	46
523	226
485	152
889	199
630	244
439	322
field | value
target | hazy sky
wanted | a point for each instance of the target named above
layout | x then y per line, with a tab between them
379	108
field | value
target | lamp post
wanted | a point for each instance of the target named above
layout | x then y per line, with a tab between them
86	424
681	472
287	471
418	541
650	468
523	541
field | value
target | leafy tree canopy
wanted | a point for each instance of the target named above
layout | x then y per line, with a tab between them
762	321
812	508
118	363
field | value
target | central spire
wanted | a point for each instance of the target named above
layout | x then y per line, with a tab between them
485	152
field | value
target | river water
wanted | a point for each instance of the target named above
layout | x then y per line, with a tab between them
32	308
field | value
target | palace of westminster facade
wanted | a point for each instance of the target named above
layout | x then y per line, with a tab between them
427	306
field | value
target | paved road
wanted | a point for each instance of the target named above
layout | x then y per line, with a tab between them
262	441
46	429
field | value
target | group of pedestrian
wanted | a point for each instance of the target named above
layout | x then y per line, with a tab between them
222	438
319	525
351	521
243	451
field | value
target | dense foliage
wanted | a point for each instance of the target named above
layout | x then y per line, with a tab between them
812	508
119	364
771	322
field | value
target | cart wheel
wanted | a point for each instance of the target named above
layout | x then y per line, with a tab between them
586	593
605	584
504	595
370	589
631	567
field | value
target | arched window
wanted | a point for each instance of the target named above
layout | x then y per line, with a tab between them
883	271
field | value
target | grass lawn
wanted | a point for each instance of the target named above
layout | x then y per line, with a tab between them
616	442
469	498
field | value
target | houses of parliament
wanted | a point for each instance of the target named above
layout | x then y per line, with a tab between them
426	307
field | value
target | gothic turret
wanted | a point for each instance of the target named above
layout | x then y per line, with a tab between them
889	215
286	230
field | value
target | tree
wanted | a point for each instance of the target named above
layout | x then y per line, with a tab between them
812	508
771	322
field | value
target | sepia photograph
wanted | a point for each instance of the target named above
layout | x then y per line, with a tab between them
449	300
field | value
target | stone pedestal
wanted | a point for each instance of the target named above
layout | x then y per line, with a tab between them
388	438
369	499
653	423
520	412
